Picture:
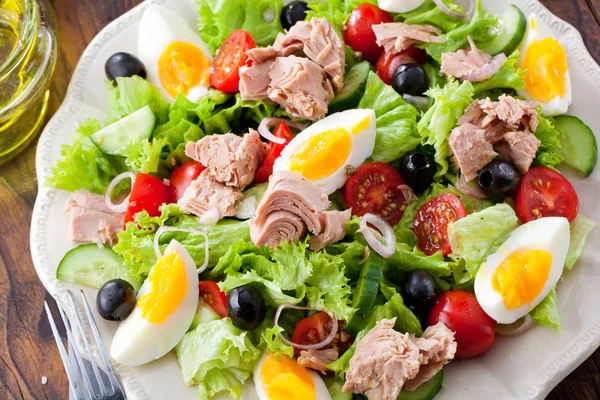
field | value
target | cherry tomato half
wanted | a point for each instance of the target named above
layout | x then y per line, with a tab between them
273	152
147	194
461	313
358	32
181	178
388	63
373	188
432	220
214	297
316	328
231	56
544	192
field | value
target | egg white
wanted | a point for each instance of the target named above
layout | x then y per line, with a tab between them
159	27
551	234
363	143
400	6
558	105
321	392
138	341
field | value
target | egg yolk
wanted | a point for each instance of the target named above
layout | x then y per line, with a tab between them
283	378
181	67
361	126
169	287
521	277
323	154
546	64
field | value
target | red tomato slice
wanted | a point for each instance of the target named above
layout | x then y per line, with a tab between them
473	328
214	297
231	56
388	64
358	32
147	194
419	55
432	220
373	188
315	329
182	177
544	192
273	152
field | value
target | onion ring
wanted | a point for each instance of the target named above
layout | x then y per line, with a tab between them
164	229
516	328
487	71
320	345
469	6
263	128
468	188
389	236
122	206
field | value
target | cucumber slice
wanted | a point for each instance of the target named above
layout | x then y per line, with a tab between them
426	391
334	386
355	82
578	143
512	26
365	294
92	266
204	313
116	137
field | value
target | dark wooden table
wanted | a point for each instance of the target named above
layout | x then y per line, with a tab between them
27	349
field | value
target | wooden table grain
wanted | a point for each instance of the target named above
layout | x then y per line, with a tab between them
27	349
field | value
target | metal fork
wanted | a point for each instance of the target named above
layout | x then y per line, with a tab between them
84	385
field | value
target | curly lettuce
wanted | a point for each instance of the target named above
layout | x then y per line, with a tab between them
548	153
335	11
546	313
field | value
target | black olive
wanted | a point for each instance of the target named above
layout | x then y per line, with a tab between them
499	178
292	13
410	79
115	300
123	65
246	307
417	169
420	291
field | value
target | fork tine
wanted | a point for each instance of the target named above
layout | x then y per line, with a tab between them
83	372
73	378
109	369
92	359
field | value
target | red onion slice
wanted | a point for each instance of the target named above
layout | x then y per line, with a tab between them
388	247
328	339
487	71
516	328
468	5
122	206
469	188
408	193
164	229
263	128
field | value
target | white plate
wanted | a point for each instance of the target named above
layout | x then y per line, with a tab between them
526	367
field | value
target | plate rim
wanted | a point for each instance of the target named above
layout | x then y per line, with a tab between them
548	377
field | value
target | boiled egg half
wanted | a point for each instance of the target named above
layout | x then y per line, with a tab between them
281	377
400	6
323	151
521	273
165	308
547	78
176	59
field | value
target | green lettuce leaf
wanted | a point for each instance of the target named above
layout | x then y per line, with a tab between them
547	153
546	313
335	11
217	357
437	123
136	242
218	18
472	237
509	76
83	165
430	14
271	342
580	229
396	120
131	94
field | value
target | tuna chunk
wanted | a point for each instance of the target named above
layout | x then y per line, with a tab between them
230	159
396	37
322	44
334	228
383	361
437	347
205	193
318	359
254	80
522	148
300	86
471	65
301	200
90	220
516	114
471	149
